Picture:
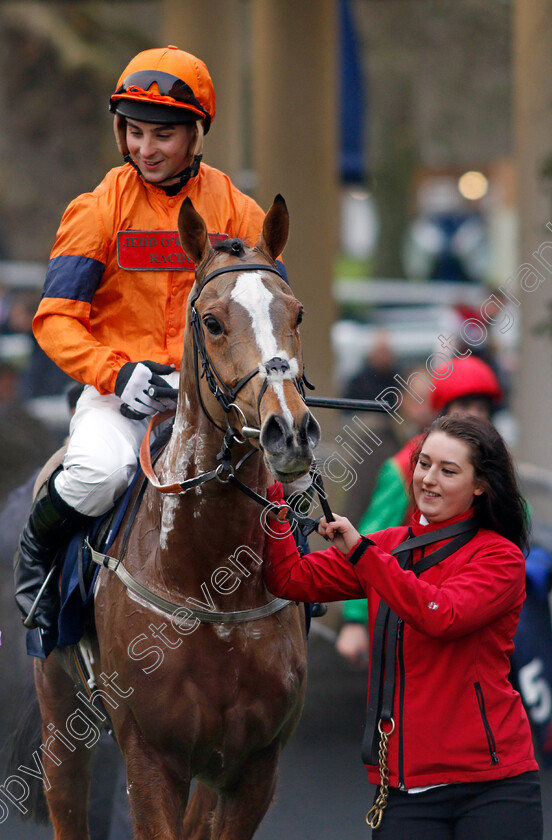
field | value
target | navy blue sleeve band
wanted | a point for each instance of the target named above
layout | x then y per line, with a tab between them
74	278
365	543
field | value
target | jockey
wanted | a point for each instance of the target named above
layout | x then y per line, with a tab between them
113	309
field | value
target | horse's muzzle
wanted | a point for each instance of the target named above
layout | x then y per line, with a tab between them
289	450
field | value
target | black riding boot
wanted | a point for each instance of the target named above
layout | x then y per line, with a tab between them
49	528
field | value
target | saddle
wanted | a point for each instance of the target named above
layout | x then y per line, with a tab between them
78	573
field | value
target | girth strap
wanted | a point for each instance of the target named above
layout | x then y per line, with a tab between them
386	628
172	608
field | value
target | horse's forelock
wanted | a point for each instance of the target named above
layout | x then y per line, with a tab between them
235	247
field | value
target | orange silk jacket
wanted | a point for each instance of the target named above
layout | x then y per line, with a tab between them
118	280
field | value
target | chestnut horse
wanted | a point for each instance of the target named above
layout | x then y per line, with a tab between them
200	695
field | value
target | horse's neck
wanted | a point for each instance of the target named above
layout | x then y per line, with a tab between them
212	527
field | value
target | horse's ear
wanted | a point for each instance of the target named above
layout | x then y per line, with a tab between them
193	232
274	234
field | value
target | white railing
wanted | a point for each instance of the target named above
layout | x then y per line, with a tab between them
391	292
22	275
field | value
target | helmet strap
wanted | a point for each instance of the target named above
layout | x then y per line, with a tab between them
183	177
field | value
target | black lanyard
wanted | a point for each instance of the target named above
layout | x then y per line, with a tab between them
384	645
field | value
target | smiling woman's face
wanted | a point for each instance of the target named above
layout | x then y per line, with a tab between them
444	480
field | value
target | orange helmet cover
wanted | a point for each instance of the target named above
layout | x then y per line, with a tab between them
174	62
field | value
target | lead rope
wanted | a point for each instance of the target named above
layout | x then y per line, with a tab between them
375	814
382	681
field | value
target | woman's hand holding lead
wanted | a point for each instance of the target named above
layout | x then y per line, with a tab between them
341	532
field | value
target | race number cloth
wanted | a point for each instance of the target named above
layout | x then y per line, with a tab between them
532	656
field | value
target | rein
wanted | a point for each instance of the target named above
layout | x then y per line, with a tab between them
158	601
282	512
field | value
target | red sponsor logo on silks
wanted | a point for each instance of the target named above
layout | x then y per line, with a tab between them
155	250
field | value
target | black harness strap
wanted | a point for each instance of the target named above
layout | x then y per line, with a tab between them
384	644
236	267
82	670
305	524
221	391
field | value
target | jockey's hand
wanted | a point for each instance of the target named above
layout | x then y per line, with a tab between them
165	388
134	385
341	532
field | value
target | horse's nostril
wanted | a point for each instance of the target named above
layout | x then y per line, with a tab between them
275	435
309	431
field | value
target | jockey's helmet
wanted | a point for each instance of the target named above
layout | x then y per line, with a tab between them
163	85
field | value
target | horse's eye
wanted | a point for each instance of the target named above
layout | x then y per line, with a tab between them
212	325
299	318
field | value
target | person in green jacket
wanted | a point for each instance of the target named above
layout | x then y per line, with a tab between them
471	388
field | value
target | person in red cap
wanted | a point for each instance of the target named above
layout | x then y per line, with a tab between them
470	389
114	302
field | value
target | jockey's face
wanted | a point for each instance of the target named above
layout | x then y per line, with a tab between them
159	150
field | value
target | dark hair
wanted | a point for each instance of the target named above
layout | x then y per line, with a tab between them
501	507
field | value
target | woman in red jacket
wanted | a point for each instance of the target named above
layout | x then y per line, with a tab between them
447	740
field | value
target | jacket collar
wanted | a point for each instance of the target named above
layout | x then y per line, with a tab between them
418	529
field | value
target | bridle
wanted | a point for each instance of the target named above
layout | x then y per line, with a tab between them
223	393
225	471
226	396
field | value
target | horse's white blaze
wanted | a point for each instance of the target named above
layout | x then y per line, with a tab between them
279	391
251	293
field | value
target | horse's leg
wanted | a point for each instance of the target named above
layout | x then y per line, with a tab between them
66	765
157	799
241	808
199	813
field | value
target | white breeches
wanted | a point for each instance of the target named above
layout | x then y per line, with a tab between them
102	453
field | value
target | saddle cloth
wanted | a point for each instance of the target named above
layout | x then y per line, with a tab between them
78	577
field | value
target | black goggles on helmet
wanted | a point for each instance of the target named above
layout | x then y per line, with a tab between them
167	84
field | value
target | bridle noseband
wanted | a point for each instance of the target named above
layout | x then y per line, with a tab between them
222	392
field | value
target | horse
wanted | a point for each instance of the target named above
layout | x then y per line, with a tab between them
199	670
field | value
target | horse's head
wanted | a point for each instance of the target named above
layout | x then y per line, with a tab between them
244	319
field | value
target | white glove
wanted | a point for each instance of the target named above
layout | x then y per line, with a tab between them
145	389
